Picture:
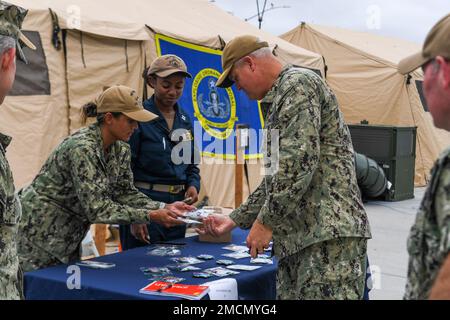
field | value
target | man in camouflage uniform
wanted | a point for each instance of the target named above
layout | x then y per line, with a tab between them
11	18
312	205
429	239
86	181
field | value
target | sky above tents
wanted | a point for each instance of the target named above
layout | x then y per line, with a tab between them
406	19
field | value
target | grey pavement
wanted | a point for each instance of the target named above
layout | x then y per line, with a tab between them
390	223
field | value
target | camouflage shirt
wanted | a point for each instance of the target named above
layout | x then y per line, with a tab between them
79	185
9	217
429	238
314	196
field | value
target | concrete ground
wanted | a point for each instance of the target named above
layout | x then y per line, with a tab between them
390	223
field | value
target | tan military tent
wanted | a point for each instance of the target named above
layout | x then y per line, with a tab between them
361	69
102	43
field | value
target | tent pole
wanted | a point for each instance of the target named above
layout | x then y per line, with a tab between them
241	144
239	170
100	238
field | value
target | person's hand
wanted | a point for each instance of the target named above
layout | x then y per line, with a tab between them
216	225
140	232
166	217
191	192
179	207
258	238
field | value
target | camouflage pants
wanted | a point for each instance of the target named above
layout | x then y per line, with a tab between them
10	274
334	270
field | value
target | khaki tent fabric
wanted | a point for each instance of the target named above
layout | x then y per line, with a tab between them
195	21
220	181
94	62
362	72
109	42
37	123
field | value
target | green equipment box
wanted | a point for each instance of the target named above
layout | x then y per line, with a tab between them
394	149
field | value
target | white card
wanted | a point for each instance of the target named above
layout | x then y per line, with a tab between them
236	248
237	255
243	267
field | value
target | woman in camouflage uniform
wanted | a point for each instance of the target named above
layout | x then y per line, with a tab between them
87	179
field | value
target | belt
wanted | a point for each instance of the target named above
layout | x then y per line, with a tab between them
159	187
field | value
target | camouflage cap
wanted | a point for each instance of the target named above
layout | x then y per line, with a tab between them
123	99
236	49
11	18
437	43
166	65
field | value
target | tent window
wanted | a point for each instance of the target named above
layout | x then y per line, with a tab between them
319	73
419	85
32	78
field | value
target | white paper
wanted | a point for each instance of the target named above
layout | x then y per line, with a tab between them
236	248
261	260
198	214
96	264
237	255
223	289
187	260
189	221
220	272
243	267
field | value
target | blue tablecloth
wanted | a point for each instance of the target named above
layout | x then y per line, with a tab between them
125	279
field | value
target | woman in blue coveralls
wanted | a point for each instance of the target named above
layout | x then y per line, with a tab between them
155	174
